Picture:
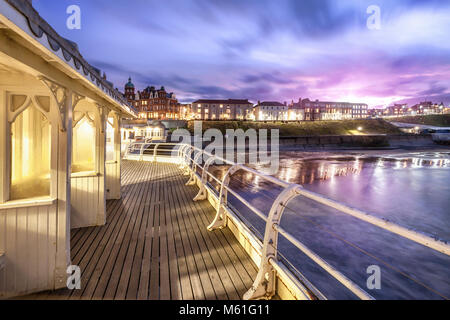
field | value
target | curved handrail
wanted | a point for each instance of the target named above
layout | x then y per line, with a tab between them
263	287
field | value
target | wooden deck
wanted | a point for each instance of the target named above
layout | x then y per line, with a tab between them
155	245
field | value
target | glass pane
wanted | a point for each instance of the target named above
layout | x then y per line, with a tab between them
30	155
110	154
83	150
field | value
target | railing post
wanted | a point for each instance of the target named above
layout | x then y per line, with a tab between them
181	155
202	192
188	159
185	161
155	152
220	220
191	180
141	157
264	286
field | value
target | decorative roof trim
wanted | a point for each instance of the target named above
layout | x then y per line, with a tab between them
38	27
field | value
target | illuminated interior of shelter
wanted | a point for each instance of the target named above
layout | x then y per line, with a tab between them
59	149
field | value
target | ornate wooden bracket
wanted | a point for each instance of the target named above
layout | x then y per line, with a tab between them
76	98
60	94
103	112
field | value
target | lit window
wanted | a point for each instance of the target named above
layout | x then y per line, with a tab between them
83	151
30	156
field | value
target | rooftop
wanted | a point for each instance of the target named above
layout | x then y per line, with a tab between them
229	101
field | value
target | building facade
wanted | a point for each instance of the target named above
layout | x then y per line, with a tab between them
231	109
152	103
422	108
271	111
330	110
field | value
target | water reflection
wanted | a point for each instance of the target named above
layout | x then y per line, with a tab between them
410	189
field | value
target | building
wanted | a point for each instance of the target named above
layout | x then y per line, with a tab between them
422	108
427	107
231	109
296	112
152	103
141	130
397	110
59	149
376	113
328	110
186	112
271	111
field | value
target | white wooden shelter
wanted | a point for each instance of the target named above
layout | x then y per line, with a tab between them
59	149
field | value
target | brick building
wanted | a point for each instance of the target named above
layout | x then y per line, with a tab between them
152	103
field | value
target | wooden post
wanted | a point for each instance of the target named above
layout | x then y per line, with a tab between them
63	213
101	157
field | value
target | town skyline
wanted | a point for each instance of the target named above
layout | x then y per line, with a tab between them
268	51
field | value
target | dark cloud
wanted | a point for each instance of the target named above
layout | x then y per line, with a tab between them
230	48
435	89
275	78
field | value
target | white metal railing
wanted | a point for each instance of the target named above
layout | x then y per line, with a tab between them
190	159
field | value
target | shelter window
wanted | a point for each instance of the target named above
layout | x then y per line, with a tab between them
83	152
30	155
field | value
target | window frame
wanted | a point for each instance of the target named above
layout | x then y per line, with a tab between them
96	125
7	118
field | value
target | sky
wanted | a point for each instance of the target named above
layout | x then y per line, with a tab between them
267	50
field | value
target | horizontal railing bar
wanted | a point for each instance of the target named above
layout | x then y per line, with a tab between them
213	177
384	224
349	284
250	206
269	178
294	282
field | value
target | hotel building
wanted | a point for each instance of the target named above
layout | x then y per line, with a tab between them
231	109
153	104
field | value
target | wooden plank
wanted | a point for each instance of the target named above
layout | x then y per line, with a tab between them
181	282
216	253
164	256
243	266
2	260
106	260
107	236
143	283
183	238
237	271
121	245
136	233
155	245
210	278
87	273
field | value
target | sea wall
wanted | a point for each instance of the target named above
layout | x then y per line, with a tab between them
367	141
